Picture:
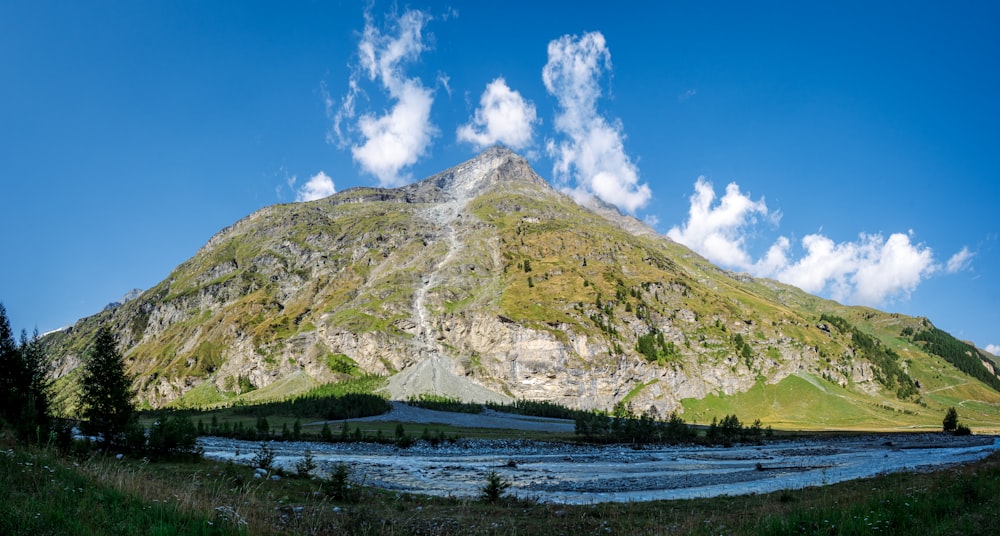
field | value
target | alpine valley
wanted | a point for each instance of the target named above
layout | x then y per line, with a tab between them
484	283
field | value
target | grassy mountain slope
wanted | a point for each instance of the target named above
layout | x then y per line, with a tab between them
512	288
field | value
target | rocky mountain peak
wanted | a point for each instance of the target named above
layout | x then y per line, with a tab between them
129	296
494	166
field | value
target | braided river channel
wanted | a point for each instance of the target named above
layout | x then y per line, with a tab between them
578	474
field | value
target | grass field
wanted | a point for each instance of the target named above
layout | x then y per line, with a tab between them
805	402
42	493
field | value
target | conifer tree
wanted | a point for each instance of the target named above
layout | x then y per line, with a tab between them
12	373
106	395
34	419
950	422
24	387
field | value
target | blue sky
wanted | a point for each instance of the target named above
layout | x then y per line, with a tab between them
850	149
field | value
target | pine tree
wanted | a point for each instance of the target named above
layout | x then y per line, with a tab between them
24	387
950	422
34	419
106	395
12	373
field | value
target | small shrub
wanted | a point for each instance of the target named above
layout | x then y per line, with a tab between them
135	437
62	434
233	473
306	465
402	439
495	488
338	485
173	435
263	427
264	457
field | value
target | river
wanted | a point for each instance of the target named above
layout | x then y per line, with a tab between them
576	474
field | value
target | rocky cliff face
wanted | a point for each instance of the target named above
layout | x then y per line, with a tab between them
481	282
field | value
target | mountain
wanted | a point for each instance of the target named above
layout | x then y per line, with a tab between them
129	296
484	283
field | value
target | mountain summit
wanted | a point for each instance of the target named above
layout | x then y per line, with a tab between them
493	167
484	283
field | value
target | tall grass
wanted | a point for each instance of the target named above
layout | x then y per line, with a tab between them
43	494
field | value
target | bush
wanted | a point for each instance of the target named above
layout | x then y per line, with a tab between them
338	485
402	439
306	465
264	457
173	435
62	434
495	488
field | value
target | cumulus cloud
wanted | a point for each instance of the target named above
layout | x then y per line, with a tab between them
718	231
387	143
503	116
318	186
959	261
591	158
993	349
869	271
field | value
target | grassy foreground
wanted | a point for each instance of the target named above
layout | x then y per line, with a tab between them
43	493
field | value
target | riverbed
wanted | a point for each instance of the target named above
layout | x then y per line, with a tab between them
580	474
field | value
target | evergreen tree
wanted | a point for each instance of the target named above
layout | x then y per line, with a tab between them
12	373
106	395
33	422
950	422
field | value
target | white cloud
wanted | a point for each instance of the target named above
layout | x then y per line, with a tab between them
891	268
397	138
319	186
993	349
687	95
444	81
592	160
869	271
959	261
825	264
718	232
503	116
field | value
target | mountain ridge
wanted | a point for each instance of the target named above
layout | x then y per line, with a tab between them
485	283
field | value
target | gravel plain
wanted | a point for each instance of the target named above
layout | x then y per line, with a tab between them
582	474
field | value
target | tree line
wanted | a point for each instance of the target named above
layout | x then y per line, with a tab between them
887	369
24	385
107	410
962	355
625	427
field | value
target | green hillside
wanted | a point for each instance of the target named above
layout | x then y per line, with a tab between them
520	290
